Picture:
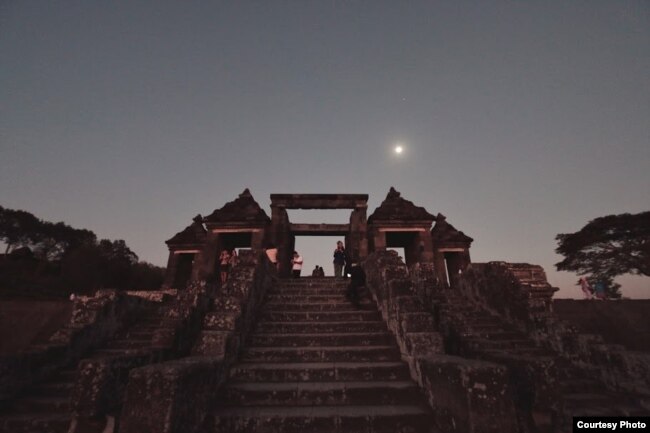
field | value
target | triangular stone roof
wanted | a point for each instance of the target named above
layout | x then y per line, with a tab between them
396	208
442	231
195	233
244	209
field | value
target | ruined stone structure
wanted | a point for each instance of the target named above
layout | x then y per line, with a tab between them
438	343
396	223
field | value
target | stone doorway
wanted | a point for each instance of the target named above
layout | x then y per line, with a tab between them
284	232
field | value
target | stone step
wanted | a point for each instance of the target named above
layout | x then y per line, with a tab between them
322	354
311	282
340	298
140	334
320	393
320	316
573	386
54	389
35	423
41	404
321	419
328	291
67	375
501	335
476	343
128	343
321	327
259	339
318	371
320	306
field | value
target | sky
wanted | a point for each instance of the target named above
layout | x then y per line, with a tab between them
519	120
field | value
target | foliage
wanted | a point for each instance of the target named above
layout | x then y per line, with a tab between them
607	247
66	258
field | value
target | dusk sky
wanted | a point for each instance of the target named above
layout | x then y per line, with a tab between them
519	120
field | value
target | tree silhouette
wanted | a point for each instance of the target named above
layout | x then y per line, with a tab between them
607	247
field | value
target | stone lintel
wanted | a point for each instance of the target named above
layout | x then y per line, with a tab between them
319	229
235	228
187	251
319	201
402	229
184	248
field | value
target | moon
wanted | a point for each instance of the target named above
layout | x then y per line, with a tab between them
399	149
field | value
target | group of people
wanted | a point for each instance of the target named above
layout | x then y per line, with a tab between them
318	272
344	266
595	292
227	261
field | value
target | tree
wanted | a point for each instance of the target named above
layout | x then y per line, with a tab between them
18	228
607	247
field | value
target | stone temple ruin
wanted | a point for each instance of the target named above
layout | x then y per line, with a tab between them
439	344
397	223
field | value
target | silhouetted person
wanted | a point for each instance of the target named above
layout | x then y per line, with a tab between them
314	273
321	271
586	288
224	266
339	259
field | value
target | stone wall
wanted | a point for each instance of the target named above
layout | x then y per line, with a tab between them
520	295
102	380
623	322
465	395
517	292
157	396
93	321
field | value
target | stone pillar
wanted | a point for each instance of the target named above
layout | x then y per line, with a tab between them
257	239
439	266
170	272
358	243
425	247
379	240
206	263
281	238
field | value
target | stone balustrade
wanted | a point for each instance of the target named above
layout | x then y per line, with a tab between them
157	395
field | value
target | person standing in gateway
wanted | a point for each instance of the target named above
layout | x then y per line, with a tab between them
296	264
339	259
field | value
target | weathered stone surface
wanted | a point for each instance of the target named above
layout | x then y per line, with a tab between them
518	292
394	207
468	395
243	209
217	344
171	397
93	321
166	389
193	235
101	381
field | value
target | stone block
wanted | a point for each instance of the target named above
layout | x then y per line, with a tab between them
217	344
227	303
221	321
157	396
468	396
416	322
419	344
101	381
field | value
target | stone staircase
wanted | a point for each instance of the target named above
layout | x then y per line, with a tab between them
46	407
316	363
575	390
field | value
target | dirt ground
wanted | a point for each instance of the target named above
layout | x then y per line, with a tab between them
23	322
